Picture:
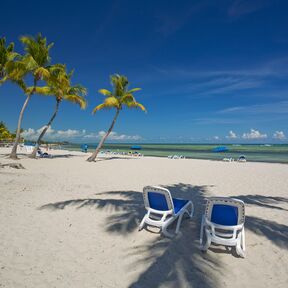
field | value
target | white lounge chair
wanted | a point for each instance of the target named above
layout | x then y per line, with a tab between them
163	210
29	148
43	154
242	158
223	223
228	159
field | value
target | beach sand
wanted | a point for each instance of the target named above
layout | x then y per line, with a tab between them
65	222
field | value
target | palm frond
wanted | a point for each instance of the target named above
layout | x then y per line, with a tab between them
136	105
29	62
120	83
112	102
10	47
74	98
4	79
16	70
70	74
20	83
7	55
58	77
37	48
133	90
78	89
45	90
127	98
120	95
56	68
42	73
12	55
105	92
100	107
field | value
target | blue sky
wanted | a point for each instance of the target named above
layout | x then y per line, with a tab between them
210	71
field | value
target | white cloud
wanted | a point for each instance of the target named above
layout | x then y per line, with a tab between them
29	134
52	134
70	134
279	135
232	135
216	138
254	134
112	136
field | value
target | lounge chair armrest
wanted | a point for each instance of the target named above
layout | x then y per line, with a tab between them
168	212
164	217
224	227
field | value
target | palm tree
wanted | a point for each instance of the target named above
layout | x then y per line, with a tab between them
34	62
4	132
7	55
119	97
59	85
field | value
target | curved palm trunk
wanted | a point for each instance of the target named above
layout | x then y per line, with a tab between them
34	153
13	154
94	155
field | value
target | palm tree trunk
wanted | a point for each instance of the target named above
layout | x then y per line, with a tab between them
94	155
13	154
34	153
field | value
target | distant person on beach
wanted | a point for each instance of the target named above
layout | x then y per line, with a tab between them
85	148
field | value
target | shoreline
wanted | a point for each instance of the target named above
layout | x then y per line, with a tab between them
189	157
116	153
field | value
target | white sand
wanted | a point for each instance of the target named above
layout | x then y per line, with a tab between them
65	222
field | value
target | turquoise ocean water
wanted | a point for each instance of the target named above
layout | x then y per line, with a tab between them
277	153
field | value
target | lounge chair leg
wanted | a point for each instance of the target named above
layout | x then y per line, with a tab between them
179	223
239	250
243	240
142	223
208	241
192	210
166	233
201	232
190	214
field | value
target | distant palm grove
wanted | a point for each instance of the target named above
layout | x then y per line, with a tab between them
35	74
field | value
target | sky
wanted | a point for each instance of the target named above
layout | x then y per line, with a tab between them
210	71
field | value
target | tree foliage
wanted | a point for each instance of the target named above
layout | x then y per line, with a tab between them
5	134
120	95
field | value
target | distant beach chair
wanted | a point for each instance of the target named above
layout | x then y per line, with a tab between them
163	210
242	158
223	223
29	148
137	154
84	148
43	154
228	159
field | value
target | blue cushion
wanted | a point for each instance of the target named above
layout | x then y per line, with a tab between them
226	215
157	201
179	204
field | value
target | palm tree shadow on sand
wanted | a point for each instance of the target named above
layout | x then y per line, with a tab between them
275	232
176	262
